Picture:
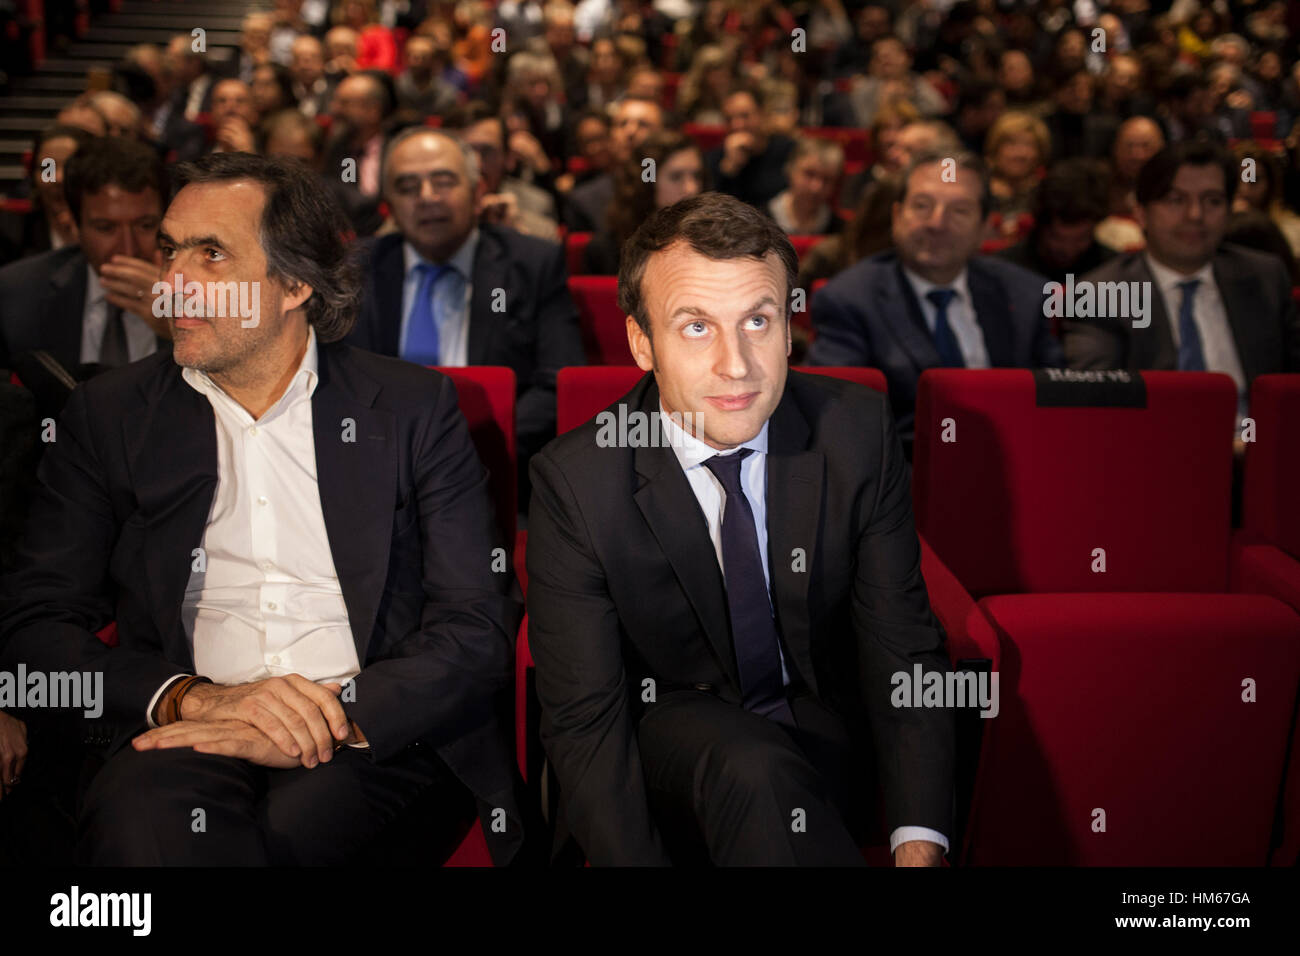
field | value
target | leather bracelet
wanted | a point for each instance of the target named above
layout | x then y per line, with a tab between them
183	688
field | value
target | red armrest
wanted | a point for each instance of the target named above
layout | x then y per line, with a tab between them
970	634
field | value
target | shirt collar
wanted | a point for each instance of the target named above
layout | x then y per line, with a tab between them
462	261
1168	278
94	288
692	452
921	286
302	384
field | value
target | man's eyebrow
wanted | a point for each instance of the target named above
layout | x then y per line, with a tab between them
190	243
696	310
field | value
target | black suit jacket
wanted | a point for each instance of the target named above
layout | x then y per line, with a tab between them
1256	293
125	496
624	585
536	335
42	301
869	315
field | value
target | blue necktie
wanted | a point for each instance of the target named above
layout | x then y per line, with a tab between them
753	630
945	342
422	328
1190	356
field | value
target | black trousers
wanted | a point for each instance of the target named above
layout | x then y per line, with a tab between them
730	787
142	809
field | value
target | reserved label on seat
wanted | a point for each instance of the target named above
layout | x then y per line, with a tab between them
1107	388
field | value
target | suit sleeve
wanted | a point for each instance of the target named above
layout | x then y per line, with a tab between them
442	679
896	630
586	724
1290	323
62	593
559	343
841	332
1088	347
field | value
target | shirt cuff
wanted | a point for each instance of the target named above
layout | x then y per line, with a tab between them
904	834
153	701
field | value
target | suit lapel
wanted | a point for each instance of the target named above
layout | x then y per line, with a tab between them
794	496
489	275
65	311
673	513
1153	347
389	279
1239	304
173	454
356	480
992	312
911	332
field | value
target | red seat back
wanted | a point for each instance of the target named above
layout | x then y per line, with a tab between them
1020	496
1270	502
603	323
855	142
803	244
575	244
706	136
486	394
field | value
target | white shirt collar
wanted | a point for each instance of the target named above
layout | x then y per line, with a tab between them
692	452
95	293
1168	278
462	261
303	383
921	286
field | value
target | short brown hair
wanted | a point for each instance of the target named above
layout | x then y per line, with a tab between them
714	225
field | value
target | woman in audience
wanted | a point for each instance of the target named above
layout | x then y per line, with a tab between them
677	173
705	86
1263	191
1017	150
805	207
272	88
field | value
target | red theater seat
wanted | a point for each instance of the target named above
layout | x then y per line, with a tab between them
486	395
603	323
1120	691
803	244
855	142
575	244
707	137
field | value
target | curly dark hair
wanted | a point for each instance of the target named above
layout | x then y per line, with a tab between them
302	232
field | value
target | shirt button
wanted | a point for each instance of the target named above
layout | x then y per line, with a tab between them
252	429
276	660
270	605
267	565
261	499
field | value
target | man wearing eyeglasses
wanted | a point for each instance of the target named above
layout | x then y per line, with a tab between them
444	290
1220	307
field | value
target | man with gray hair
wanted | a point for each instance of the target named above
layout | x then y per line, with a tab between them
932	302
445	290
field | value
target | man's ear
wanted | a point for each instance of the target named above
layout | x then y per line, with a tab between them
640	346
296	295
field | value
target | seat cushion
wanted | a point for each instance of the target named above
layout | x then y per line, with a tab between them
1132	704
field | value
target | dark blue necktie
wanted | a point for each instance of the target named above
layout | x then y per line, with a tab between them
1191	358
753	630
422	328
945	342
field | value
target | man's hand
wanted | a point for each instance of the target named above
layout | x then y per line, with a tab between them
526	148
128	284
13	752
737	149
499	209
230	738
918	853
300	717
234	136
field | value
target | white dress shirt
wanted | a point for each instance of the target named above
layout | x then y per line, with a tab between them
451	297
269	602
691	454
1211	318
961	316
140	339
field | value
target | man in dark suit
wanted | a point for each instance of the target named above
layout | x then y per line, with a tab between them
93	302
284	530
1211	305
933	302
751	163
586	207
716	612
445	291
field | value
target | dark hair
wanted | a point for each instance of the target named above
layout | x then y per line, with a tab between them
462	117
112	161
284	80
714	225
963	159
1156	177
1266	165
302	233
634	198
1074	190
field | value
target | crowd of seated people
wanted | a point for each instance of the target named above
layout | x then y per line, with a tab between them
938	164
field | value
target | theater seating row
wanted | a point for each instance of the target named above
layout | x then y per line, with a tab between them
1148	655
